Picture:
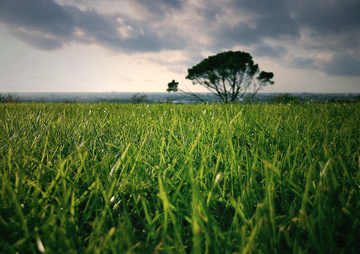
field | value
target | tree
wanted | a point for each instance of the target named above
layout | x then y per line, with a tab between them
230	75
138	98
9	98
172	86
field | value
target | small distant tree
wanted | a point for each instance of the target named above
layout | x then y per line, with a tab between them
172	86
138	98
9	98
230	75
284	98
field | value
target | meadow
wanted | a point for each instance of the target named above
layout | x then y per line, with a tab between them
162	178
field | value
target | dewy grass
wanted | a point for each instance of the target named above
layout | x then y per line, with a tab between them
137	178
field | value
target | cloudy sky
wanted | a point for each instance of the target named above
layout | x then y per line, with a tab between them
141	45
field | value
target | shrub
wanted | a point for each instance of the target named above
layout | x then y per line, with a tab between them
284	98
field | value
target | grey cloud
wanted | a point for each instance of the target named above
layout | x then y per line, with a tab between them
303	62
272	18
275	51
263	20
259	6
342	65
40	23
48	25
156	5
152	26
328	16
154	10
334	25
38	15
37	39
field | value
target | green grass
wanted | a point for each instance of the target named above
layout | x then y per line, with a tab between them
116	178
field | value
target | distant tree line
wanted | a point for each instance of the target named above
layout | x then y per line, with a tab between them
9	98
138	98
284	98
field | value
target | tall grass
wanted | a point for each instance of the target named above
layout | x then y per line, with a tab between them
115	178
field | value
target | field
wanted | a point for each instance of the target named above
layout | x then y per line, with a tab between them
159	178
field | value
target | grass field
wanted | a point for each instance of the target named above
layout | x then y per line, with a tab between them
137	178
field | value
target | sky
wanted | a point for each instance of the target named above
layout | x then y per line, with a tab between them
141	45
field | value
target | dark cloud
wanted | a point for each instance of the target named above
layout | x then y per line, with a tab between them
342	65
274	51
38	39
43	24
339	64
333	28
157	6
38	15
47	25
303	62
333	25
321	26
261	20
271	18
328	16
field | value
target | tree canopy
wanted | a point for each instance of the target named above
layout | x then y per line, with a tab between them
230	75
172	86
